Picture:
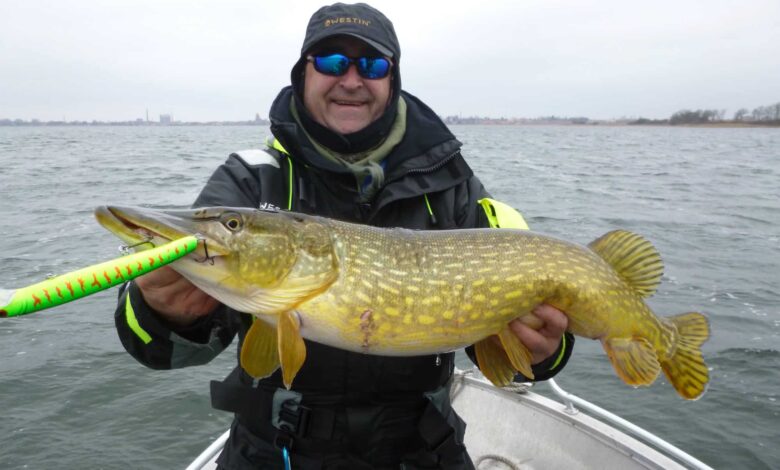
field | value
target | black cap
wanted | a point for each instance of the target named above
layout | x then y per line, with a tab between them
358	20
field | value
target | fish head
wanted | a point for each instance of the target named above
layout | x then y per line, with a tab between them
256	261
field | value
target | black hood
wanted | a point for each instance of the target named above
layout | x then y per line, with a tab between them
371	27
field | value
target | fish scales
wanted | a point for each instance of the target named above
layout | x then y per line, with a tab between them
404	292
453	298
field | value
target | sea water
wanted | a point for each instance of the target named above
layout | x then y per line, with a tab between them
708	199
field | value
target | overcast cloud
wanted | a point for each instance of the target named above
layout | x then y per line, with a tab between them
226	60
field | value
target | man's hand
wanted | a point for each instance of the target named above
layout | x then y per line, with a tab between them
175	298
544	335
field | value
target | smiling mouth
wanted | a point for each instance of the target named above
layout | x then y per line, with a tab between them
349	103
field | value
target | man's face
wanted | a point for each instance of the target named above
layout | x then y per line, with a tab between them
348	103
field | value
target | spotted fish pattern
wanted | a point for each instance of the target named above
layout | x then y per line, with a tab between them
406	292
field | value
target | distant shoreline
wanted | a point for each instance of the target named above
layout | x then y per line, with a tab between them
489	122
724	124
19	123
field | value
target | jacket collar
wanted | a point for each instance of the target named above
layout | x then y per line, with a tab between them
424	131
426	160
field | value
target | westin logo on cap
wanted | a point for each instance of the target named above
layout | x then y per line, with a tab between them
334	21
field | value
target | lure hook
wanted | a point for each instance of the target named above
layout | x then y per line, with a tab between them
125	249
208	258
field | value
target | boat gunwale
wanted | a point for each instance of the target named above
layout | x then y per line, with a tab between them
607	432
603	431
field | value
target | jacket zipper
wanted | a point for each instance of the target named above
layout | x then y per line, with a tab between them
369	208
431	168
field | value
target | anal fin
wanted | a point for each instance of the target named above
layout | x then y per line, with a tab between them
634	359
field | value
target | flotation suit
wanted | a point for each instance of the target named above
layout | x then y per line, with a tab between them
346	410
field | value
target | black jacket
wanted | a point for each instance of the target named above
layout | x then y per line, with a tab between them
428	185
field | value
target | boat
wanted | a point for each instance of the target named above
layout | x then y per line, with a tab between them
515	428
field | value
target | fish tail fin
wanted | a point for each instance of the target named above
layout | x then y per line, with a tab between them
686	369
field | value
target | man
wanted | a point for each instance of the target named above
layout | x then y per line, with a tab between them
349	144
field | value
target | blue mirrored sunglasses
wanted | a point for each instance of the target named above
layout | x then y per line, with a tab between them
337	65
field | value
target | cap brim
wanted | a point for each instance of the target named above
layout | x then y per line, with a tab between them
382	49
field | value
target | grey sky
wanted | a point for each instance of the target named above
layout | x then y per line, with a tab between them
226	60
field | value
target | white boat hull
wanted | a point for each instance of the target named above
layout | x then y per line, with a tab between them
521	430
508	430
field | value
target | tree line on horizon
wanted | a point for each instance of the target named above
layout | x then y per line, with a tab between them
763	114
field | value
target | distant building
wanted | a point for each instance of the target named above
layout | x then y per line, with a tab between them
166	119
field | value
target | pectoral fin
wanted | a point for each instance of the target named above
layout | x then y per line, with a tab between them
519	356
292	350
259	352
493	362
634	360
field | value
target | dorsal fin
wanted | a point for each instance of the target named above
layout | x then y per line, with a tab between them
634	258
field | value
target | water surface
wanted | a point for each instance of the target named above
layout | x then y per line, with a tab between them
709	200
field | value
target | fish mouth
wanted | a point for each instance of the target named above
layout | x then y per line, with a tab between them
137	225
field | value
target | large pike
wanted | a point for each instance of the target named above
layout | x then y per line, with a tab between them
405	292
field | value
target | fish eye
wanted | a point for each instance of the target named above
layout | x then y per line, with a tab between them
232	222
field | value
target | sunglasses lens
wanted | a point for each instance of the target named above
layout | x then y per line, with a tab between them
334	64
337	65
373	67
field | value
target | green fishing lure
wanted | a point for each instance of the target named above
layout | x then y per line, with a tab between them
87	281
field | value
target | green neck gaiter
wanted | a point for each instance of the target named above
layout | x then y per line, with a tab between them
366	167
